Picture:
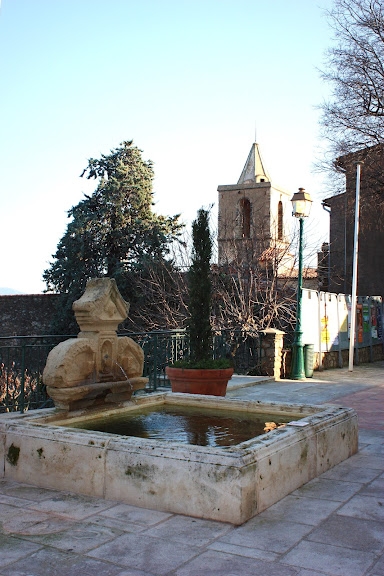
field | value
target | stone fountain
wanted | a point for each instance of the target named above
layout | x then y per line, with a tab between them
97	372
98	366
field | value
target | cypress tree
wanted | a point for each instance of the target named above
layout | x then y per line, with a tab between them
200	290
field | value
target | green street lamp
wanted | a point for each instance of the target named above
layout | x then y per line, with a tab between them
301	202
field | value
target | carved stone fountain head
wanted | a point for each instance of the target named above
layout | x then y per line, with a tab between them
98	366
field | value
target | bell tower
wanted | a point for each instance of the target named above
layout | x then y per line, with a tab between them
254	217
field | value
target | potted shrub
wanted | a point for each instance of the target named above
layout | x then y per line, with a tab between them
200	374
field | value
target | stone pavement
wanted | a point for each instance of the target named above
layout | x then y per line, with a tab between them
333	526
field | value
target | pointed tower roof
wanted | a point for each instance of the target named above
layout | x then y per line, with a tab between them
254	170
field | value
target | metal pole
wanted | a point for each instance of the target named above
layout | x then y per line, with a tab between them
298	372
22	381
354	268
319	300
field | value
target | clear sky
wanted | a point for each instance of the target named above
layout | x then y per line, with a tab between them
190	81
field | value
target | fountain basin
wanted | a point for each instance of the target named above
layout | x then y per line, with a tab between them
230	484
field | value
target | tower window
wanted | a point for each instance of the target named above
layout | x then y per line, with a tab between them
245	207
280	221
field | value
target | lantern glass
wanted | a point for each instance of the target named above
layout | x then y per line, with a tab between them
301	202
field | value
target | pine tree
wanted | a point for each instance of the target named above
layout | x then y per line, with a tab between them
113	232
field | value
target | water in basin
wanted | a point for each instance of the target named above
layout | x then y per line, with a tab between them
186	424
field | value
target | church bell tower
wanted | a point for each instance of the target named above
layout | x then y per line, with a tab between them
254	217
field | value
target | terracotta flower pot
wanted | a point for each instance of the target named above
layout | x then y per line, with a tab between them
210	381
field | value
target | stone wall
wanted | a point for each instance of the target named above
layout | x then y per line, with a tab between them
272	352
27	314
331	359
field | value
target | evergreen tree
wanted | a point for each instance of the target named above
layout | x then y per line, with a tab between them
113	232
200	290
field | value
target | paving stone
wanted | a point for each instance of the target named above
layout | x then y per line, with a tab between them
371	436
52	524
14	501
347	471
51	562
276	535
332	560
136	515
117	524
72	506
6	484
368	460
145	553
12	549
366	507
212	563
21	520
195	531
246	551
351	533
378	568
78	538
28	492
362	444
128	572
374	448
310	511
7	511
328	489
305	572
375	488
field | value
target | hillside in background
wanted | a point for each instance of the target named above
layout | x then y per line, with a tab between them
8	291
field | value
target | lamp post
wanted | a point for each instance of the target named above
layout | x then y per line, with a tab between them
301	202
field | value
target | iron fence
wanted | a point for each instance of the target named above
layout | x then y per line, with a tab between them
161	348
22	361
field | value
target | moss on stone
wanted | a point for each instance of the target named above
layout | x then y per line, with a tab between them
13	454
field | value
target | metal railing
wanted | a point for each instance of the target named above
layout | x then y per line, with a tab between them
22	361
161	348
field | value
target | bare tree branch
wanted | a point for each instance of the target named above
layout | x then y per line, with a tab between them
353	118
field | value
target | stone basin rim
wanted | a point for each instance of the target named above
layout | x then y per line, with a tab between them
225	484
315	415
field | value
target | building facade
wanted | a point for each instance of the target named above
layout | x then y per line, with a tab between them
370	277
